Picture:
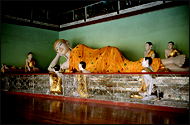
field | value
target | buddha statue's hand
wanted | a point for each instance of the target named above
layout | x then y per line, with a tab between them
52	65
58	55
28	68
54	70
63	67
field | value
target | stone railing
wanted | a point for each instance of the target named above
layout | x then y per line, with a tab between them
172	87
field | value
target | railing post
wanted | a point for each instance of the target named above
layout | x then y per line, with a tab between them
85	14
85	85
118	5
63	86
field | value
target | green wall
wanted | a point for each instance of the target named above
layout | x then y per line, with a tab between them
17	41
130	34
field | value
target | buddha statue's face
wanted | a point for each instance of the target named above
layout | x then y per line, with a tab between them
170	46
148	47
61	48
30	56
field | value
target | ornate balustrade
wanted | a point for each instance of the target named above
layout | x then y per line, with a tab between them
171	87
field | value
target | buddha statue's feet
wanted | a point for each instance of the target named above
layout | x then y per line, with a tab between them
179	60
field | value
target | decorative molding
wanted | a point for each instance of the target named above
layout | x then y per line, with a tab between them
167	1
17	18
72	23
140	7
46	24
102	16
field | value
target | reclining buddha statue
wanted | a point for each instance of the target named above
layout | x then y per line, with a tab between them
108	60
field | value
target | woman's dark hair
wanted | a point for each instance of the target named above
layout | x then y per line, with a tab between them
149	43
83	64
149	60
171	42
30	53
56	67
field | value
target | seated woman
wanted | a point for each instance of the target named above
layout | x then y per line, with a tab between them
30	63
106	60
145	92
148	52
147	78
147	82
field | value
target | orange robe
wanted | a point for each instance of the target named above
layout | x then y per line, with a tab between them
173	53
150	53
107	60
31	64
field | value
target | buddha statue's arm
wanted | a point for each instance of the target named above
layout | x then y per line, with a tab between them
166	53
65	65
27	66
145	54
153	56
178	53
54	62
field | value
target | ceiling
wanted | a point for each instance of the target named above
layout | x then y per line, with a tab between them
56	6
50	14
23	9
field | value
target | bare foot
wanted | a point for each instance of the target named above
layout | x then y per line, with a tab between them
179	60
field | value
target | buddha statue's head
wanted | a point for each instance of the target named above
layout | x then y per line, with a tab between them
170	45
30	55
61	46
148	46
